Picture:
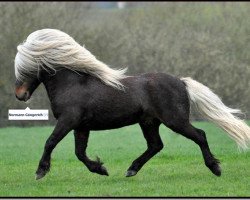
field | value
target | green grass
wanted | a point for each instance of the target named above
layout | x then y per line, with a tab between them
178	170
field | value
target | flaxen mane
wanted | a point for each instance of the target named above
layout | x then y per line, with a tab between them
53	49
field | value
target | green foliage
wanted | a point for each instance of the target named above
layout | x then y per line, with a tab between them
208	41
178	170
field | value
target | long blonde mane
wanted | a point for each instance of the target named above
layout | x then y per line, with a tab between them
52	49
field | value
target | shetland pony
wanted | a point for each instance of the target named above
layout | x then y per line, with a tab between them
86	94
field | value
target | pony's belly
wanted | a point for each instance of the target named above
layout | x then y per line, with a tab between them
98	127
111	124
104	121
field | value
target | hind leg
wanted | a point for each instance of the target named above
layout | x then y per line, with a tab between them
199	137
151	133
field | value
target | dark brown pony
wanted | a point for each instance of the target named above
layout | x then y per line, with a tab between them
86	99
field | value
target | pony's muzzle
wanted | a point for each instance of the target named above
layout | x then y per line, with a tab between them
24	96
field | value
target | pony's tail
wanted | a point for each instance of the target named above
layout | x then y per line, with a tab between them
212	108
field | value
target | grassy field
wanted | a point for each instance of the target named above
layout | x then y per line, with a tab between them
178	170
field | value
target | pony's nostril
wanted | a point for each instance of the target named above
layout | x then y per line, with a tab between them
23	97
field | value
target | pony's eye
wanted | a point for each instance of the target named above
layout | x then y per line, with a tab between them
18	83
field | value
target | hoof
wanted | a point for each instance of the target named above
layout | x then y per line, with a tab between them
216	169
130	173
103	171
99	168
40	175
42	170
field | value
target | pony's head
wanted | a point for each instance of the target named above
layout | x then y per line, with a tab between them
27	75
24	89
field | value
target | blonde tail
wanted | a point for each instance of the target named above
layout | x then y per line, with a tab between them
212	108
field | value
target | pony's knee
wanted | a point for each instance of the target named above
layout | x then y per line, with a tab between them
49	145
157	147
79	155
202	136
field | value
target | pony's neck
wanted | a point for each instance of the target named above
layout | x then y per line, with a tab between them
61	81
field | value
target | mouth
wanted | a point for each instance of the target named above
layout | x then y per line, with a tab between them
28	100
25	97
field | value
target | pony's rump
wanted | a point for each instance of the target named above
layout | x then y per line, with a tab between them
52	49
212	108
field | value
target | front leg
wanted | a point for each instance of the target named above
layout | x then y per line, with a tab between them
154	142
81	143
63	127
